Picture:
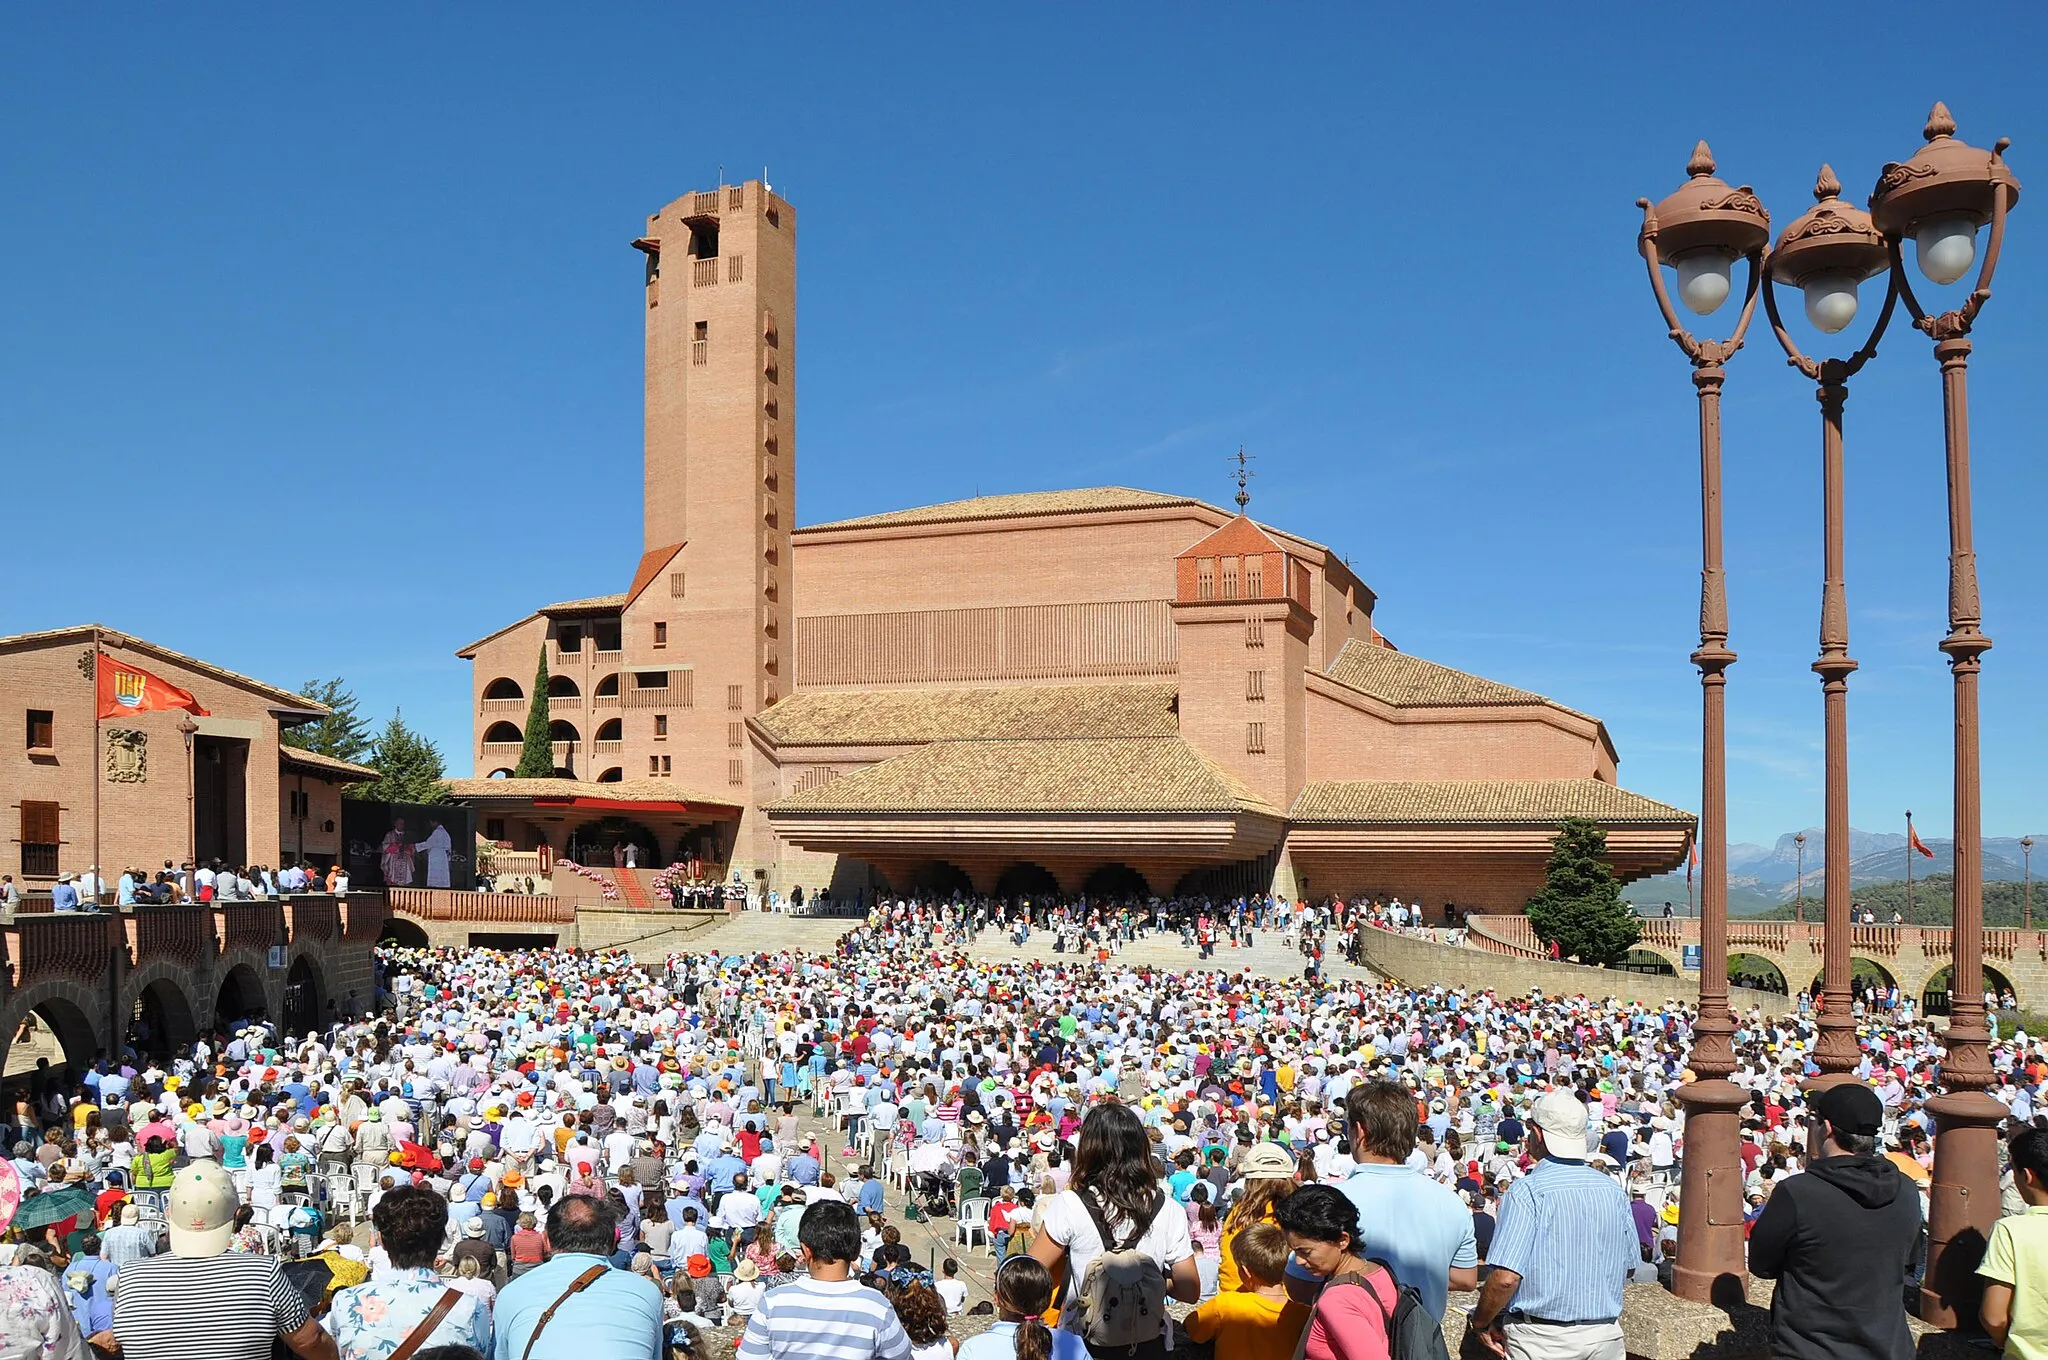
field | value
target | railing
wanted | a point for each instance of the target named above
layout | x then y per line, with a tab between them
605	700
565	701
445	904
607	748
705	202
168	931
501	705
1787	937
1512	935
313	918
248	925
608	657
63	944
705	273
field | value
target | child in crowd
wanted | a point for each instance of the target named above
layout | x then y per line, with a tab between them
1023	1294
2015	1308
1256	1322
828	1312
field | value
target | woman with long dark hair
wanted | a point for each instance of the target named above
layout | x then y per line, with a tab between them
1113	1177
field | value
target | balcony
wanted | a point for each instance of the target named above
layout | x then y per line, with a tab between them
501	706
607	748
608	657
704	273
559	702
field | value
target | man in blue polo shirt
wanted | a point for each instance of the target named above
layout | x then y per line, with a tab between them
1420	1228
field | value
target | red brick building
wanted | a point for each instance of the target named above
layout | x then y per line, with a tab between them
1099	688
236	793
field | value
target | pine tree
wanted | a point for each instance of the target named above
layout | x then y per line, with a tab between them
1580	908
409	768
537	756
342	733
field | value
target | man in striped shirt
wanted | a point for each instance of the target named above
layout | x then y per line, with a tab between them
1561	1253
828	1315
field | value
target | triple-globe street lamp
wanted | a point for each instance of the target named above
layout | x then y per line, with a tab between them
1939	199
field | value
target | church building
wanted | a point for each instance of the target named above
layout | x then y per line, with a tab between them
1104	689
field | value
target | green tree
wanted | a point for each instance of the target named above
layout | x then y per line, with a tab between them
342	733
1580	908
537	756
409	768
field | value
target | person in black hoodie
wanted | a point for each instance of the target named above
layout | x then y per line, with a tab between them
1838	1241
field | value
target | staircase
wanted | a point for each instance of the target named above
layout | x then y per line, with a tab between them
632	892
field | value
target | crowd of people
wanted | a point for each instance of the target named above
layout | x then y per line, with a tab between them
529	1155
212	881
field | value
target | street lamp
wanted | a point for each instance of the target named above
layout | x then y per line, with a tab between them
187	729
1941	198
1826	252
1799	906
1700	230
2027	872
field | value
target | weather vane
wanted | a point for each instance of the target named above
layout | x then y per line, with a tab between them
1244	475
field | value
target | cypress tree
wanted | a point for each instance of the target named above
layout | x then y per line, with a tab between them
537	755
1580	908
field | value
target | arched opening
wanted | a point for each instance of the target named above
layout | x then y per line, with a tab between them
1116	882
241	998
608	688
1646	961
504	688
161	1023
1027	880
403	934
611	729
1757	973
561	729
612	776
1869	981
939	879
502	733
500	773
302	997
610	839
564	772
562	687
54	1039
1937	998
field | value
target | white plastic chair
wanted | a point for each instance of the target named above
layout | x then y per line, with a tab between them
899	1171
973	1219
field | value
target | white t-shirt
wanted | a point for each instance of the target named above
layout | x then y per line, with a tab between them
1067	1223
953	1292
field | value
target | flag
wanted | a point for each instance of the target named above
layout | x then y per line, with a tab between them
125	687
1913	839
1692	860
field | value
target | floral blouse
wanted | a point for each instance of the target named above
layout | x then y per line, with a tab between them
369	1321
35	1318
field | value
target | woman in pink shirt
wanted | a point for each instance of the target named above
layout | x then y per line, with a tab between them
1357	1297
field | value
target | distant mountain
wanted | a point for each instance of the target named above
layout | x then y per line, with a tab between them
1761	878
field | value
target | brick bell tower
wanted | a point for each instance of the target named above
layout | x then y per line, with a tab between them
720	474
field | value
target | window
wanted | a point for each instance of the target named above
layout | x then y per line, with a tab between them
732	734
675	585
773	408
735	697
734	773
39	839
42	729
1230	578
1255	685
775	217
661	727
1255	738
569	639
703	332
654	765
650	679
1205	579
661	635
773	372
296	802
704	236
1254	577
1254	632
772	445
770	334
494	828
664	766
736	269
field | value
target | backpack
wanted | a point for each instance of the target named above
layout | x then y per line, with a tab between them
1121	1303
1413	1333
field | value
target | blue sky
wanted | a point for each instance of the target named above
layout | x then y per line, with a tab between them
320	345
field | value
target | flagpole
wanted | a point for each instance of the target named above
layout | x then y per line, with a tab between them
98	772
1909	866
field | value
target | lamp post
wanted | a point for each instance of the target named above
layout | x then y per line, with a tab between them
1826	252
188	729
1941	198
2027	873
1799	905
1700	230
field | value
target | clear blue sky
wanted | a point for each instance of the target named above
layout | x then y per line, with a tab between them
320	337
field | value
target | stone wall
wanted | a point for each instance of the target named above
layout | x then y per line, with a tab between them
1420	962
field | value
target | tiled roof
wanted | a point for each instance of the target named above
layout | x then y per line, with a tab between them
326	764
624	791
889	717
1529	802
595	602
1110	775
1075	501
113	638
1410	682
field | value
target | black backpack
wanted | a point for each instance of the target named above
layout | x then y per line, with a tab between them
1413	1332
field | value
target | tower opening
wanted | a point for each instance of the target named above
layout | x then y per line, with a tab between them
703	237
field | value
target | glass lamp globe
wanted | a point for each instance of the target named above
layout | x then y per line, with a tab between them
1830	301
1944	247
1704	281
